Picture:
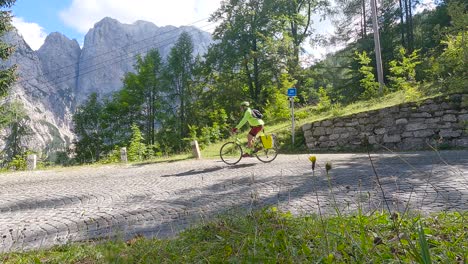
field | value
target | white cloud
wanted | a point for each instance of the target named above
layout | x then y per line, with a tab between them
83	14
425	5
32	33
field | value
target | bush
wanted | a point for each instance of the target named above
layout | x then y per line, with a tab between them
112	157
277	108
403	74
450	68
18	163
337	109
137	149
324	100
368	83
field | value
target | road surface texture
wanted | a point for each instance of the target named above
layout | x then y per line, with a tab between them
39	209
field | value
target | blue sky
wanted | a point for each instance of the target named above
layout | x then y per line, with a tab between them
35	19
44	13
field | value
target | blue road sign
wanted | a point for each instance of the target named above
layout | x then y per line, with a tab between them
292	92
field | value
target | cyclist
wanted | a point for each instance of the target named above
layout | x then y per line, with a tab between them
256	125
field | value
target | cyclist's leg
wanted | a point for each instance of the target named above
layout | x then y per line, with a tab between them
251	136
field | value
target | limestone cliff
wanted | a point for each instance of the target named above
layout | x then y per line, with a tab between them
60	75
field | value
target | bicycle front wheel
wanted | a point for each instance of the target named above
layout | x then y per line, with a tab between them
230	153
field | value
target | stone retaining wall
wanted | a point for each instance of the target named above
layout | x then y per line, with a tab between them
441	121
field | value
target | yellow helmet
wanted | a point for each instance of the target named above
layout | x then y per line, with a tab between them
245	103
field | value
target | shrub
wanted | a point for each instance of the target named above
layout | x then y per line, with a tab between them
112	157
450	67
368	83
137	149
324	100
18	163
337	109
277	107
403	74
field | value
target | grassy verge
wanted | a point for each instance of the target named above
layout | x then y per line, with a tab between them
270	236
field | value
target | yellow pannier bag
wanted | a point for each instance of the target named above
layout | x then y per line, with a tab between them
267	141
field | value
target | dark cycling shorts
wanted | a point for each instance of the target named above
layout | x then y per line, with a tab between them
254	130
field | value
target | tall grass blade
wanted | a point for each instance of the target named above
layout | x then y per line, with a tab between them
425	255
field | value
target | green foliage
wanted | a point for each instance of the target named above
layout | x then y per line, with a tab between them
210	134
403	74
18	163
272	236
111	157
277	107
142	94
63	158
13	118
451	67
137	149
89	127
7	75
179	70
324	100
247	46
425	255
300	115
337	109
214	129
368	83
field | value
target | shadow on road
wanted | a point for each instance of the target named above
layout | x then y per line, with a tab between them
194	172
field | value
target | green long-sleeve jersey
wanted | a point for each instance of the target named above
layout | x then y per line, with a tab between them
248	117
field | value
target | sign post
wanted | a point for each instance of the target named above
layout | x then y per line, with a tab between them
292	92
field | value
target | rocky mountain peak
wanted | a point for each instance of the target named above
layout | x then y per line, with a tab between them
107	21
58	40
60	75
110	50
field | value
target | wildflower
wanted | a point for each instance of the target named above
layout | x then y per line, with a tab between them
328	166
313	159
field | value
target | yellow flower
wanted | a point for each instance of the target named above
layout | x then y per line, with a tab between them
313	159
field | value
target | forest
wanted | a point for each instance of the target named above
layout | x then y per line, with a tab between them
257	54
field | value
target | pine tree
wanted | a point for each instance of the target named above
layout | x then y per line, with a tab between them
137	149
89	129
7	75
367	81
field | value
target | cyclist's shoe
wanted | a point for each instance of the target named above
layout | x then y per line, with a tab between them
255	150
246	155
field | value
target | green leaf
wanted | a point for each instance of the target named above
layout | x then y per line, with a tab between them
426	256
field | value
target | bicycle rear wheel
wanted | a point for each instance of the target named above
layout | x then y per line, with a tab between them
230	153
266	155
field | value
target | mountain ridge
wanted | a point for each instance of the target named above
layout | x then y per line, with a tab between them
61	75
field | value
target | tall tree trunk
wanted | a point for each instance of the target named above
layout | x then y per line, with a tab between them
153	115
249	79
410	26
256	71
295	59
402	24
364	25
298	37
182	110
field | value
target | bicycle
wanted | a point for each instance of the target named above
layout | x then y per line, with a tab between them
266	150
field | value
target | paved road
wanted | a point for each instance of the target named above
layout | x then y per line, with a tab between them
43	208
